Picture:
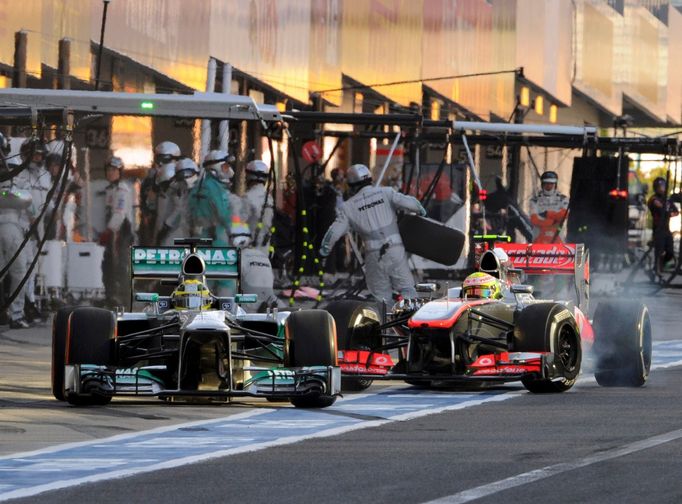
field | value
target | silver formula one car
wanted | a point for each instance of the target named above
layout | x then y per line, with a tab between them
192	345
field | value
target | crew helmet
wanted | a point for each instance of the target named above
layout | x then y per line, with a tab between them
217	157
115	162
185	168
481	285
240	233
257	170
165	156
188	171
358	174
549	177
215	161
191	294
30	147
166	152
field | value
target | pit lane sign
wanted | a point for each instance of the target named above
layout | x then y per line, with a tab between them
311	152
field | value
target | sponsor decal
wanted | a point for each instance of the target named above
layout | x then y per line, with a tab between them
166	261
485	361
260	264
214	256
362	369
370	205
506	370
538	255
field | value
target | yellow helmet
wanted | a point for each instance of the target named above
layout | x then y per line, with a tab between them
191	295
481	286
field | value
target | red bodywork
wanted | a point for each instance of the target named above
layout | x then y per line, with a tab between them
364	362
534	259
568	259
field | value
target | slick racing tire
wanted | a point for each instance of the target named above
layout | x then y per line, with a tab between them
90	340
357	328
60	329
310	341
550	327
622	344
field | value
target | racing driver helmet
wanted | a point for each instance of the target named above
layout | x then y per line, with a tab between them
481	285
191	295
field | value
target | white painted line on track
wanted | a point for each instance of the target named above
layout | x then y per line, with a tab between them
549	471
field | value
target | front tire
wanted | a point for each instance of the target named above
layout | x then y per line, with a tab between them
60	331
622	344
357	328
310	341
550	327
90	340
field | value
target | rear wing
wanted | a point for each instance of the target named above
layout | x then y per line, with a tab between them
160	263
546	259
553	259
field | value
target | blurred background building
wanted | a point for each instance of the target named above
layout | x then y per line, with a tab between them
599	62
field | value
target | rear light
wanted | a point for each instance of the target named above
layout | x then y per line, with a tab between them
618	194
483	194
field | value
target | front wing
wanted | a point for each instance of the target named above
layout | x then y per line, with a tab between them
502	367
144	381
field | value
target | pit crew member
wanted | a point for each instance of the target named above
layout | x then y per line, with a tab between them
371	212
548	210
662	209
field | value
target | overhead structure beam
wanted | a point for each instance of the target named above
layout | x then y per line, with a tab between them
515	128
203	105
412	120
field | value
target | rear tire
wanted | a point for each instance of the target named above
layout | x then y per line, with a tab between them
622	344
357	328
549	327
310	341
90	340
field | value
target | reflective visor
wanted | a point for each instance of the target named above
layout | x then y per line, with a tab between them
478	292
164	158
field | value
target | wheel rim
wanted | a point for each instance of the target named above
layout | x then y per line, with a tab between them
645	344
567	350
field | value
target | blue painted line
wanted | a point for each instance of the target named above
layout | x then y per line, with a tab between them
666	354
31	473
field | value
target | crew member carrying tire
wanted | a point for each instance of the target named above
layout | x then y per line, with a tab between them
371	212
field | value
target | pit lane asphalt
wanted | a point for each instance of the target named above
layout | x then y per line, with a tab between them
407	461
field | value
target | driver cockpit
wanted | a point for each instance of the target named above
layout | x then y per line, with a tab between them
192	292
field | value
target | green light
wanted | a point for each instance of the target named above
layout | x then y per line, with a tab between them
147	105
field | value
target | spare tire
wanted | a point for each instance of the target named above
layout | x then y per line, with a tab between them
549	327
622	344
310	341
357	328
